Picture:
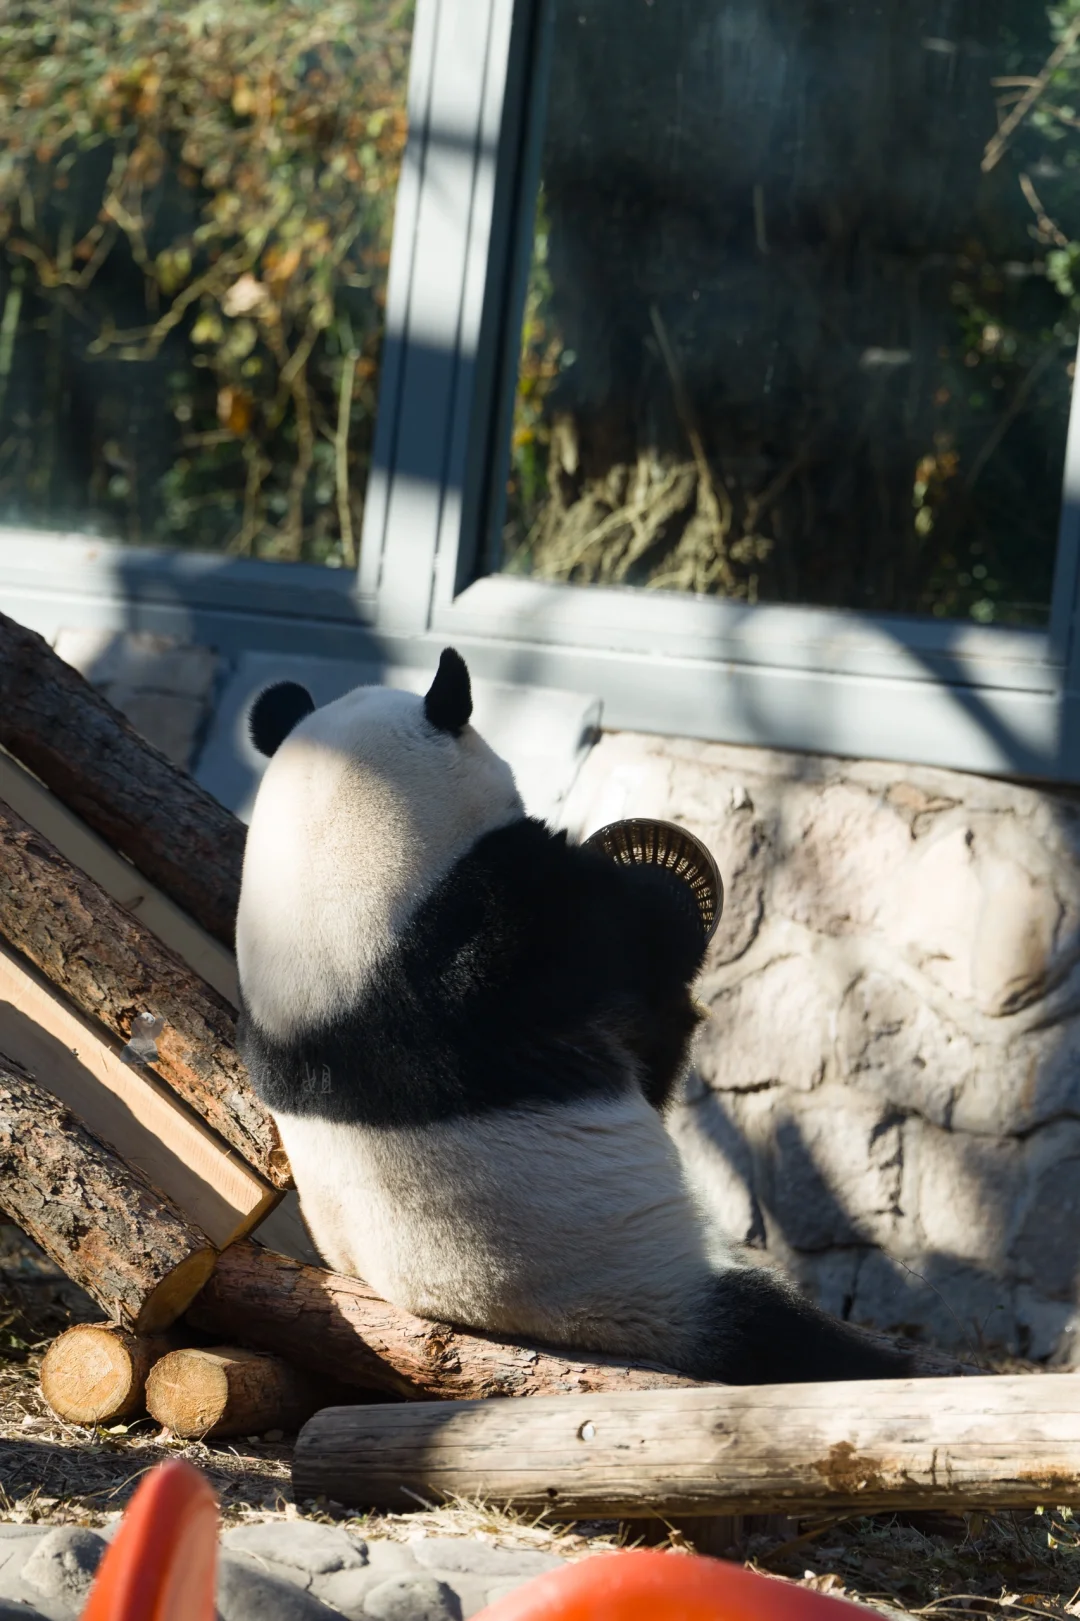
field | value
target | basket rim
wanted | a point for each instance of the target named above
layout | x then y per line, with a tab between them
712	871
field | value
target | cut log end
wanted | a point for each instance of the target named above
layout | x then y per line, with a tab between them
228	1391
96	1373
175	1292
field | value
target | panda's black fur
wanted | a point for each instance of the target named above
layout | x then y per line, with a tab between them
533	957
533	986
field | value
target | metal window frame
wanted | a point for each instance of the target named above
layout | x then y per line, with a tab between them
935	692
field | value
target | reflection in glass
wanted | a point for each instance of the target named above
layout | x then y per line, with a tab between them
195	212
802	312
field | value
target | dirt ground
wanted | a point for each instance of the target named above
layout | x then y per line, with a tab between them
1005	1565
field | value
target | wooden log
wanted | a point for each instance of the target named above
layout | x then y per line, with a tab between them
113	969
78	844
796	1449
97	764
338	1326
100	1221
95	1373
128	1108
224	1390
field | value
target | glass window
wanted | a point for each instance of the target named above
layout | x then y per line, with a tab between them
195	216
802	312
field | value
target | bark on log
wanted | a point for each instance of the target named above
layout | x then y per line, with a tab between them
97	764
107	1228
340	1327
113	969
127	1107
95	1373
222	1390
796	1449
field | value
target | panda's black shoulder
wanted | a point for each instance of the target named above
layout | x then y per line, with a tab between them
532	872
549	913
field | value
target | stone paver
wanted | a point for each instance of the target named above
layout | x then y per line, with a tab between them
297	1570
62	1565
413	1598
304	1545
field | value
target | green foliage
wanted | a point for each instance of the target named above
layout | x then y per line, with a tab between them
195	212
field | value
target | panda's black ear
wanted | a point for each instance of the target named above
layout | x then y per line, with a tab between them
448	703
275	712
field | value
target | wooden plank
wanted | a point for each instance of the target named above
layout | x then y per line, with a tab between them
139	1257
796	1449
282	1229
128	1107
78	844
113	969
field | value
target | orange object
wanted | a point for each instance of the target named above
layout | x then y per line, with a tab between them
162	1565
648	1585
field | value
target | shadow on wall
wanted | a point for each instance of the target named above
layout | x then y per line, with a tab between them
887	1094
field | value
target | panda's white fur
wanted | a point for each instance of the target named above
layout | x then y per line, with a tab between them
361	811
564	1218
574	1228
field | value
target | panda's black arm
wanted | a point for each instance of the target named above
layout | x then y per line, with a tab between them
570	942
589	921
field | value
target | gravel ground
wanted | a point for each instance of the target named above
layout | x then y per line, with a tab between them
55	1474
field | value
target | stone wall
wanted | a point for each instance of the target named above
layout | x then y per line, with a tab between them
887	1095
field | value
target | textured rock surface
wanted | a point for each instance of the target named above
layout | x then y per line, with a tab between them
293	1571
887	1097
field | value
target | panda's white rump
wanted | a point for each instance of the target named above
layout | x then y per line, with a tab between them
570	1225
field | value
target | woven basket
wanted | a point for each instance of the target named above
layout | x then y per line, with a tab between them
639	842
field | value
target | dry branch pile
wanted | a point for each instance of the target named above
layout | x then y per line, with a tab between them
134	1152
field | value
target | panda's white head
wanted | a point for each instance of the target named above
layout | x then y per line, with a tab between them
366	804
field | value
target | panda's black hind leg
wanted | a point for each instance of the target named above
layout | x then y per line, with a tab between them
761	1332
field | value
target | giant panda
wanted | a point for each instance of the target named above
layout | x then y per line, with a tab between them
467	1029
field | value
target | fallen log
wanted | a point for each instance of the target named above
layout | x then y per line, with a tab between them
128	1107
114	970
338	1326
102	1223
97	764
222	1390
794	1449
95	1373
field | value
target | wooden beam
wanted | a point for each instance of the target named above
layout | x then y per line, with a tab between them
99	1220
97	764
113	969
339	1327
794	1449
128	1108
